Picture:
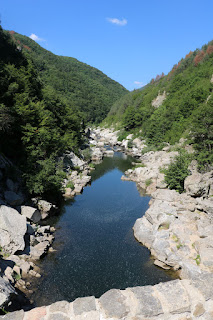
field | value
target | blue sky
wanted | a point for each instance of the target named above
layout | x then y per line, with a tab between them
130	40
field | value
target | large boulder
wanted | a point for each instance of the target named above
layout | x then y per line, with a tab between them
13	227
31	213
97	154
46	208
197	184
6	292
71	161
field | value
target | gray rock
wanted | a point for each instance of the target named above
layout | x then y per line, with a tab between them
97	154
43	229
113	303
143	231
165	195
13	227
207	206
6	292
9	274
46	208
175	296
60	306
82	305
71	160
161	264
13	198
17	315
204	283
31	213
148	305
197	185
161	212
157	102
58	316
25	267
78	189
39	250
159	247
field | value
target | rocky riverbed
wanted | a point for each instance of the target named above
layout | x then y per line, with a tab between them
177	228
24	237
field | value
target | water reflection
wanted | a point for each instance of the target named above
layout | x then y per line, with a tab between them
96	249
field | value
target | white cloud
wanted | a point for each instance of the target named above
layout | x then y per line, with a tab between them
138	83
34	37
122	22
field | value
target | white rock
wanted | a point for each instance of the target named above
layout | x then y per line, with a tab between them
13	227
31	213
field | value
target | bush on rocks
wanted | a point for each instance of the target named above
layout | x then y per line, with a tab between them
177	172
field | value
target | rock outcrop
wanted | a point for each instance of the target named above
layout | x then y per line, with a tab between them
158	101
198	185
13	227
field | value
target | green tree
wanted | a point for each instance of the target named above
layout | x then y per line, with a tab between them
177	172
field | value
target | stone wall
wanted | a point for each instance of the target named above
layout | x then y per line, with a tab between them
176	300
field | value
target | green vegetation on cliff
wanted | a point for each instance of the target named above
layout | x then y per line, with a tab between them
78	83
44	103
35	126
186	108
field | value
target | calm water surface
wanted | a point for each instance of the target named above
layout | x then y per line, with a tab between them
95	246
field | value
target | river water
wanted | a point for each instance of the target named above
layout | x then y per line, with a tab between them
94	242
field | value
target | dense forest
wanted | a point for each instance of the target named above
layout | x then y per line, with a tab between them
78	83
186	108
44	106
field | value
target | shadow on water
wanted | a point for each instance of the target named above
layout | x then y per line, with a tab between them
94	242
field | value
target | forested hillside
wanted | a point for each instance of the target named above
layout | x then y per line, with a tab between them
177	105
78	83
35	126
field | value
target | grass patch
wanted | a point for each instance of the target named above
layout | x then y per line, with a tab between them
70	185
139	165
148	182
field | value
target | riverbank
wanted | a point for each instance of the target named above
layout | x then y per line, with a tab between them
25	237
177	228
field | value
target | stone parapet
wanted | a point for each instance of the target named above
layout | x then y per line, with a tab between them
175	300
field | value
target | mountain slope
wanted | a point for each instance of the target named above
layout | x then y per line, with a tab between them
172	106
35	128
84	86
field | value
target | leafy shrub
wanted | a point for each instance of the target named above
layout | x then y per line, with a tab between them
129	144
70	185
178	171
122	135
86	154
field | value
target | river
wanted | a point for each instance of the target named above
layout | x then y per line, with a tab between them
94	242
